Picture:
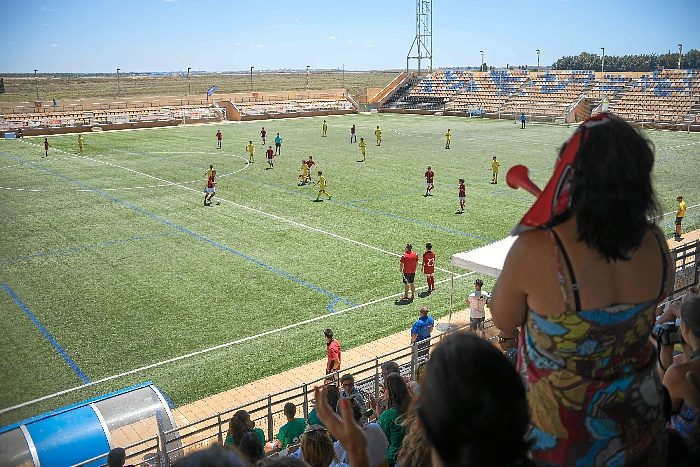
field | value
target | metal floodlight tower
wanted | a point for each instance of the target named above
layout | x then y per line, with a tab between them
422	46
680	55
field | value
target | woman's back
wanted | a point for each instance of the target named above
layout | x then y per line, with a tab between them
601	283
594	391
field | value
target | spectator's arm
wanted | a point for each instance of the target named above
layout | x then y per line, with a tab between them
413	338
509	301
665	359
346	430
674	380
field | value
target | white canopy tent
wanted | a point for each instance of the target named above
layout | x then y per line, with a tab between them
487	259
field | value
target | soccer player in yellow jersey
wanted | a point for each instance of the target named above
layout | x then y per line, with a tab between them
378	135
81	143
495	165
321	186
680	214
325	129
304	173
251	152
448	137
362	145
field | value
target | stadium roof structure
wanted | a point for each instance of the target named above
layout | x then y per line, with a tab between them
487	259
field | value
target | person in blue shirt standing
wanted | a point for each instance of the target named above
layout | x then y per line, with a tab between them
522	120
278	145
420	332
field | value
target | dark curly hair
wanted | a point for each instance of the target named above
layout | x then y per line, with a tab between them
611	191
473	405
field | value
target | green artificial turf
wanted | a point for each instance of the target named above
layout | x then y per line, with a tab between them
121	263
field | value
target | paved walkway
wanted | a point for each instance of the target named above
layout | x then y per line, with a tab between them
295	377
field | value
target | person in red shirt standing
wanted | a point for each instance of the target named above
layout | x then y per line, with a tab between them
333	350
353	135
210	191
408	266
462	196
263	134
429	266
429	175
218	139
46	147
270	157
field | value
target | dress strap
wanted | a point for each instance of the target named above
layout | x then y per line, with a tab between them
570	269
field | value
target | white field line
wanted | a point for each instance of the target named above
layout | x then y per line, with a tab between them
673	212
218	347
242	206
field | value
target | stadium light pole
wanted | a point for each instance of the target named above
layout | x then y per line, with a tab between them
307	76
189	84
36	82
251	78
482	60
538	59
680	55
119	86
602	61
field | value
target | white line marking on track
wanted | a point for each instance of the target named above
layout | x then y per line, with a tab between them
217	347
242	206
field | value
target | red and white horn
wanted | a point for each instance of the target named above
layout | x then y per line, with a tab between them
519	177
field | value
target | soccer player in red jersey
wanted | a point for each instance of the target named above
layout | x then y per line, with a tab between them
210	191
46	147
353	135
429	175
310	163
429	266
270	157
408	266
462	196
218	139
263	134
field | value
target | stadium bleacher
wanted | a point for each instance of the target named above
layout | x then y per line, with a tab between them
665	97
293	106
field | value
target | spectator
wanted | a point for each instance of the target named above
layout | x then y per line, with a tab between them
333	351
509	346
333	397
214	456
479	418
386	369
283	461
420	332
685	418
415	449
239	425
398	399
116	457
291	431
477	301
347	382
251	447
377	443
586	281
317	448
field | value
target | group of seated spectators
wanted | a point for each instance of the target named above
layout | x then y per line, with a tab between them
596	382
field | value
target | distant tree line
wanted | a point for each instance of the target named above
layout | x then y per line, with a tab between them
644	62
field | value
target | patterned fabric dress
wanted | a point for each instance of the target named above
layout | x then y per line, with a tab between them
593	389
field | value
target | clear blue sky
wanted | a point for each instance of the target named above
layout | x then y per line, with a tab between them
222	35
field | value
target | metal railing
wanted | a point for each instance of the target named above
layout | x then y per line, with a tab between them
267	411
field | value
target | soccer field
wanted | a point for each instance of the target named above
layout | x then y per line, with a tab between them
110	263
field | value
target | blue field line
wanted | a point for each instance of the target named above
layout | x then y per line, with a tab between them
335	298
80	248
350	204
61	351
